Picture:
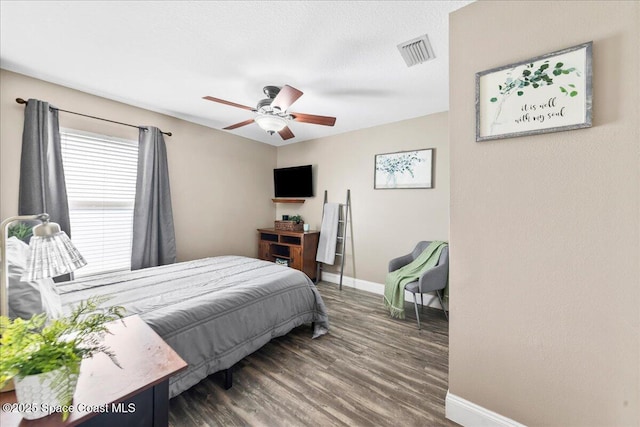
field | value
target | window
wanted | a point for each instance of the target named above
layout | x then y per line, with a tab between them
100	174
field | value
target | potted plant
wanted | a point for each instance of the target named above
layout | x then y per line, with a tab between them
295	218
21	230
43	357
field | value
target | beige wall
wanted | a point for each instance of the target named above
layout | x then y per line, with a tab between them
386	223
545	243
229	178
221	184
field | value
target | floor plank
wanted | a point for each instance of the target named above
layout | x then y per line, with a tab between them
370	370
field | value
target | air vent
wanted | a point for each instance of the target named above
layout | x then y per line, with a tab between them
416	51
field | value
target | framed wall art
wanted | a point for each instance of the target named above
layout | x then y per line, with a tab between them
404	169
549	93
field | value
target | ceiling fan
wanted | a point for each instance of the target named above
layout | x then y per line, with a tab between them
272	114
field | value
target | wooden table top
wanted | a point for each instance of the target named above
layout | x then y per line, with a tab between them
146	361
290	232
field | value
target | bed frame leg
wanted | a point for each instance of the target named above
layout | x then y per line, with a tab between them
228	378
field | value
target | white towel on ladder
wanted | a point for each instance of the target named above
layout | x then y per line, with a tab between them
328	234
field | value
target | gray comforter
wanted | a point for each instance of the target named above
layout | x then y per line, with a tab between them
214	311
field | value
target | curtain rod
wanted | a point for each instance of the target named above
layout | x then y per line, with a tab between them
22	101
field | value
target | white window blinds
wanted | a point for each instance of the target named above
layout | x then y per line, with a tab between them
100	174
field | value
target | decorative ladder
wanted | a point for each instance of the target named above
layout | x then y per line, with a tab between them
342	233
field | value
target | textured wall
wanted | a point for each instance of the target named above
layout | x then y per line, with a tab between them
545	236
221	184
386	223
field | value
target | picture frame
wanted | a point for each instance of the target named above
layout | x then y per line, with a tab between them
548	93
404	169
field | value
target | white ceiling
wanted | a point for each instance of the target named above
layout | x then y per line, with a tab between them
166	55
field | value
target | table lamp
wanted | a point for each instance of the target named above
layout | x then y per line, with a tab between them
51	254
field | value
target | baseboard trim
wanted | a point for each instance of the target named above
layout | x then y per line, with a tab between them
430	300
467	413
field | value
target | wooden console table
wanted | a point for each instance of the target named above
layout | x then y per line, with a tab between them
298	247
136	395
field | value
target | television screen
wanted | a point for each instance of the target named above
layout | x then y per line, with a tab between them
293	182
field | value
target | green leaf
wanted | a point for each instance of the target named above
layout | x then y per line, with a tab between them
573	93
20	230
30	347
559	65
500	87
526	72
520	93
572	85
536	85
557	72
565	71
544	66
563	90
493	99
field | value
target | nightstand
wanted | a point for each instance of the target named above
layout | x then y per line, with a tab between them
136	395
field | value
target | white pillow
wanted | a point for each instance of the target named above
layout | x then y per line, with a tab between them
27	298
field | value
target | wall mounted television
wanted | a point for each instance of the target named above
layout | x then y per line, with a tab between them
293	182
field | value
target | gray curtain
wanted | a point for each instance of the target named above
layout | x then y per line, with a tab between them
154	240
42	185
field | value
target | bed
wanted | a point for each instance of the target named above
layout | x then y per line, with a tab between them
214	311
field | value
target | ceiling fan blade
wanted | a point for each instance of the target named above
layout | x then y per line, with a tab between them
285	133
316	120
237	125
287	96
222	101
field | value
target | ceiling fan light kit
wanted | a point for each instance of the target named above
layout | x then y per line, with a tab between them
270	123
272	115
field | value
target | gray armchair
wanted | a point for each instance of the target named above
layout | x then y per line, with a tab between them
432	280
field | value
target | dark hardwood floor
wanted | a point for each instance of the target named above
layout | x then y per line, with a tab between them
370	370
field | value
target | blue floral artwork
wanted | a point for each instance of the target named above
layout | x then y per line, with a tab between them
405	169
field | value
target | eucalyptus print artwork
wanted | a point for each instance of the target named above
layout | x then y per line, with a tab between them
540	95
531	80
404	169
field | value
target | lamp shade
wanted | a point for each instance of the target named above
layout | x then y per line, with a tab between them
270	123
52	253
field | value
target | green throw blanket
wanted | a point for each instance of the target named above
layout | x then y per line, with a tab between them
397	280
